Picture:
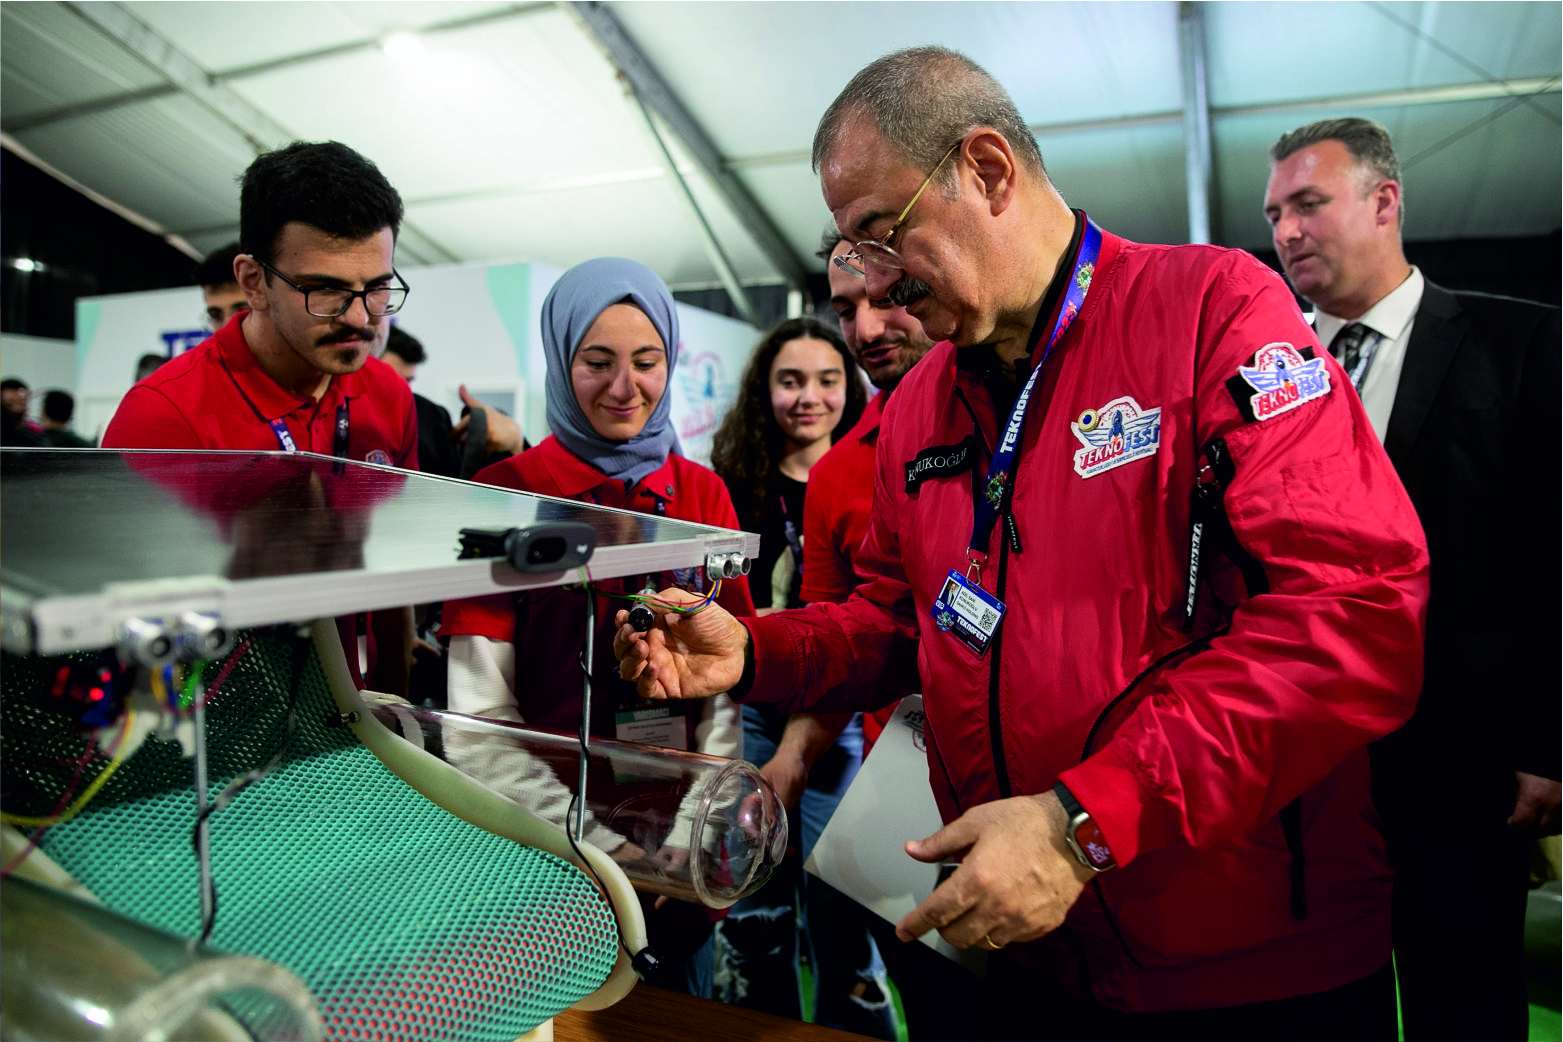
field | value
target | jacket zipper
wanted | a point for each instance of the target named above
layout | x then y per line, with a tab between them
995	725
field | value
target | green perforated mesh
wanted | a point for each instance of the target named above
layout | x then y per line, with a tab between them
404	921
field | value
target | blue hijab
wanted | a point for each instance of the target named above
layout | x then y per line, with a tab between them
581	294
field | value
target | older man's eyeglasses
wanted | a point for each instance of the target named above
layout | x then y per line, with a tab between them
331	301
879	252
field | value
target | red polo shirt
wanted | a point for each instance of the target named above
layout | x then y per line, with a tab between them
216	396
835	519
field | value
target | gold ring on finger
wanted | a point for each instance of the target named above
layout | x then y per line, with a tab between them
987	942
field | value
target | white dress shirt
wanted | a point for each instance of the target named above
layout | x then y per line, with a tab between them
1391	319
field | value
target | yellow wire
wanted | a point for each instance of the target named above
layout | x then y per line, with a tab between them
86	797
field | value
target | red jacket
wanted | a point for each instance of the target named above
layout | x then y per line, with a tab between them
1188	772
835	519
547	632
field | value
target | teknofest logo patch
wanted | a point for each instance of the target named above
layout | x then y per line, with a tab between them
1279	379
1119	432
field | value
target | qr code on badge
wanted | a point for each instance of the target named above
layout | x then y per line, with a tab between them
987	619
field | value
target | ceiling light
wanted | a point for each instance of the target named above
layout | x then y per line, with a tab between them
402	46
26	264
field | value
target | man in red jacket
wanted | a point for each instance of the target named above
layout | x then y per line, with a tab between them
1152	572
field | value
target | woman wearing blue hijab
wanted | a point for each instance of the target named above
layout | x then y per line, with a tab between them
610	337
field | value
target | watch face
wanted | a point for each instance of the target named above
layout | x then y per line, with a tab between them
1093	845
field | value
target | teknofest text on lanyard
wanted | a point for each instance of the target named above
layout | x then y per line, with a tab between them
986	509
338	440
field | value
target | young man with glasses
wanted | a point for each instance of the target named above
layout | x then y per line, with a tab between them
318	226
1151	570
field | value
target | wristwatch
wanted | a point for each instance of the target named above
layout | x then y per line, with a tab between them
1083	835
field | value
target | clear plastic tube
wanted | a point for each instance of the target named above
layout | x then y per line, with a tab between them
695	827
71	969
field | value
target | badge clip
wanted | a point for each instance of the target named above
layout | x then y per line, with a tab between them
974	564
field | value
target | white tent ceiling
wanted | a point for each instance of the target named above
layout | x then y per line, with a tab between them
510	133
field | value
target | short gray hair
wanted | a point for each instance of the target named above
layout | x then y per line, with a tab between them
1367	141
923	100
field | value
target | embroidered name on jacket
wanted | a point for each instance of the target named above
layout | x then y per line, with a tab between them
1278	379
938	461
1119	432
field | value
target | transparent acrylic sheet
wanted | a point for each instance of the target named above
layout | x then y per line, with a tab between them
92	537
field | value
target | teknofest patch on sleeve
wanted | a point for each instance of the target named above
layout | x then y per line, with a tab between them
937	461
1278	379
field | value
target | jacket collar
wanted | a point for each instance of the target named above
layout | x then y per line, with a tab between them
573	476
867	426
1435	337
979	363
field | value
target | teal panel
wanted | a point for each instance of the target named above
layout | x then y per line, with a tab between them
510	291
87	314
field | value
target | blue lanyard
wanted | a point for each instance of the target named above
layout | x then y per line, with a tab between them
284	436
986	508
339	441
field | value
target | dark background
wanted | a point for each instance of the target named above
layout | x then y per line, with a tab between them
85	251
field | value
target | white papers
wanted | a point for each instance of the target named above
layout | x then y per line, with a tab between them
862	850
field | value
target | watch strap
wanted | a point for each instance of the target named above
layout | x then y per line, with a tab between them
1071	805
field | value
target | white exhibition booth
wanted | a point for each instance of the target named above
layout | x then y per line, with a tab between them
478	322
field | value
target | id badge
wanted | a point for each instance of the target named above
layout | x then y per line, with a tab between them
967	612
661	724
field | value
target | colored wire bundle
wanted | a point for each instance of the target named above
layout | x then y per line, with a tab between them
654	601
61	812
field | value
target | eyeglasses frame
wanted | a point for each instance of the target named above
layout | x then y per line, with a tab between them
853	262
352	294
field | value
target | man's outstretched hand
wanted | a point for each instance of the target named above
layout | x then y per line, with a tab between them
504	433
682	656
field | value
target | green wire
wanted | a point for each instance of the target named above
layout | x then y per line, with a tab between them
657	602
193	681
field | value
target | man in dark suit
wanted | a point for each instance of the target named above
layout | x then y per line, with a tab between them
1462	388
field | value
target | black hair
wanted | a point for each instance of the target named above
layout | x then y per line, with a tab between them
828	240
147	364
405	346
59	406
217	268
323	184
11	383
748	444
